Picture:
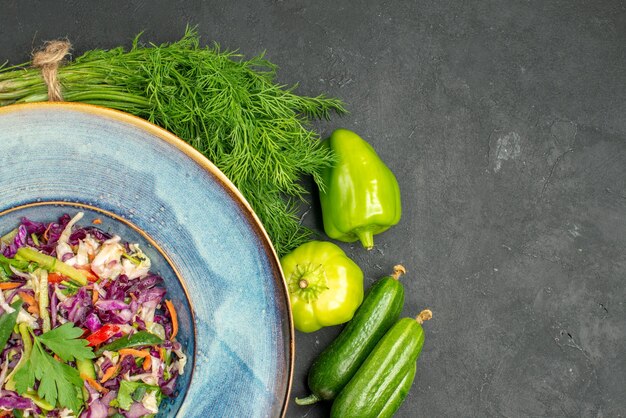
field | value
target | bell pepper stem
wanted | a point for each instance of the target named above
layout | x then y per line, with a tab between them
309	400
366	236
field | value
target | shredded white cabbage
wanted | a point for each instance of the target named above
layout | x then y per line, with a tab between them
182	361
149	402
107	262
86	248
66	413
146	313
146	378
4	371
133	270
60	295
25	317
157	329
63	247
3	303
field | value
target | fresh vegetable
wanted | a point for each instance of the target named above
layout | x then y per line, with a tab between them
325	286
86	368
374	391
57	380
103	334
49	363
360	196
52	264
133	391
138	339
230	109
142	354
7	322
336	365
93	383
10	285
174	316
7	263
399	393
32	307
110	372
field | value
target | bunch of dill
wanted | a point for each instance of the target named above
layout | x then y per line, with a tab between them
257	132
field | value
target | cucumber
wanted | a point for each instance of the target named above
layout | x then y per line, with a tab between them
53	264
399	394
86	367
334	367
373	391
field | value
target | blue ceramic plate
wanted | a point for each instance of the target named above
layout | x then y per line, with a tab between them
150	187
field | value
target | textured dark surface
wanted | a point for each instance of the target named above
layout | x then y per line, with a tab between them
505	123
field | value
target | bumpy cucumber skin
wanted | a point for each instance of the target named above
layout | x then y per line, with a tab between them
334	367
399	395
371	389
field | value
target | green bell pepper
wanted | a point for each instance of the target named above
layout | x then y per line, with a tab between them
360	196
325	286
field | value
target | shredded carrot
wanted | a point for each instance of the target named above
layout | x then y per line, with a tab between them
90	275
45	233
147	363
111	371
97	221
162	353
95	295
93	383
172	310
33	306
133	352
9	285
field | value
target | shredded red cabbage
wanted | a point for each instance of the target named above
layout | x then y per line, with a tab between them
110	300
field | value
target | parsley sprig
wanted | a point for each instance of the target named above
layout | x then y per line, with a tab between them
58	381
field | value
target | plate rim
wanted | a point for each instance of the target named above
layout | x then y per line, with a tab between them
205	164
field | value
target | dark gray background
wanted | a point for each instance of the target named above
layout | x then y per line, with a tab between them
505	124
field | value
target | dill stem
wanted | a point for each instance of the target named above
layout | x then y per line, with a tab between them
104	96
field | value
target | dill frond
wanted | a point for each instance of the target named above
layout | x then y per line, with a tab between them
254	130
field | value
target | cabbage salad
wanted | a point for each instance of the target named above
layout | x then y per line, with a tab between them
85	329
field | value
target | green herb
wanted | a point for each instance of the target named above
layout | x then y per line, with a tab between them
7	323
65	342
230	109
57	380
138	339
